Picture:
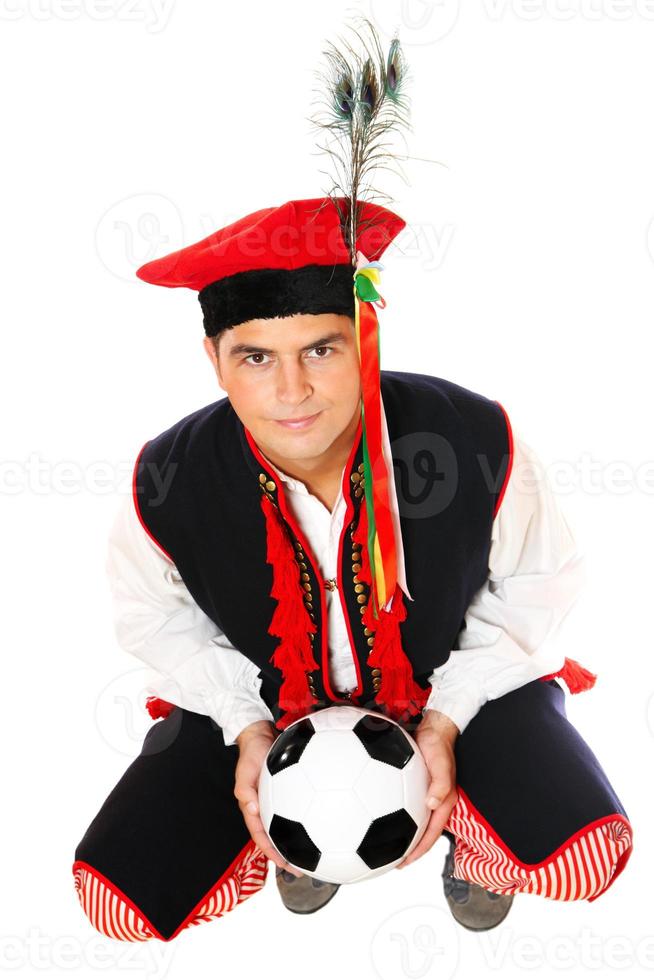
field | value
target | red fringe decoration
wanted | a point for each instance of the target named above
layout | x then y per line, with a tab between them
398	692
291	621
158	708
576	677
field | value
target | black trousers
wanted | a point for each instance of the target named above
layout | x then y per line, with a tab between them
169	847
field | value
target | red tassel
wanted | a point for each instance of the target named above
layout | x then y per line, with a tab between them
291	621
576	677
158	708
398	692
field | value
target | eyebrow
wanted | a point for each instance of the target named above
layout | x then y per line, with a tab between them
331	338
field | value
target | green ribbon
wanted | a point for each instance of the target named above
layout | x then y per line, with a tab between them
365	288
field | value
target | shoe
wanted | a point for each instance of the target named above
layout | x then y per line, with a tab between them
472	906
304	894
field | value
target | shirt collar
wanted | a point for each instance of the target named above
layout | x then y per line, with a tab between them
297	485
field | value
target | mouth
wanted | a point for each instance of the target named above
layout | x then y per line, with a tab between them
301	423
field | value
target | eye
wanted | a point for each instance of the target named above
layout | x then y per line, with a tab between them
246	360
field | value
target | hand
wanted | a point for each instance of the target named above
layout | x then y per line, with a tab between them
436	735
253	744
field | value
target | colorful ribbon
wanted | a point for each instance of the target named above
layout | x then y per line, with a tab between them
381	538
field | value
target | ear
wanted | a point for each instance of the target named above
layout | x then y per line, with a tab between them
208	344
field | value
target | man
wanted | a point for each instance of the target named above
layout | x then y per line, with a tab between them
240	573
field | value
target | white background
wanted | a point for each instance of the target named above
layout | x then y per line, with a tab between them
526	272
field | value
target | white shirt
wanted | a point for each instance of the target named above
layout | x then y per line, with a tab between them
535	576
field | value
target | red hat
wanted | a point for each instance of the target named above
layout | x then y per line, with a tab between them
276	262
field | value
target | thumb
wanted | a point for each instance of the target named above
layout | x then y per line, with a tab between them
435	794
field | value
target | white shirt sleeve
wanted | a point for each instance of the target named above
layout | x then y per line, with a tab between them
535	577
193	664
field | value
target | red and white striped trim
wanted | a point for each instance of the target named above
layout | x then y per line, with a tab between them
109	910
112	913
248	878
581	868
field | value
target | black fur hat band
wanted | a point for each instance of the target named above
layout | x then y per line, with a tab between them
265	293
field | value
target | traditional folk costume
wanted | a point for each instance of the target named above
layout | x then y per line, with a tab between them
435	582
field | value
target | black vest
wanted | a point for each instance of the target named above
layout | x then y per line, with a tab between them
198	487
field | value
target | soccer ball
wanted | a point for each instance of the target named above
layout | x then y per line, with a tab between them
342	794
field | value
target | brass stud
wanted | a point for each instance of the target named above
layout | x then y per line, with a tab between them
358	492
356	555
355	477
355	578
271	485
356	567
375	671
360	467
361	598
309	605
363	609
303	565
262	477
298	546
306	586
359	588
367	631
370	641
305	577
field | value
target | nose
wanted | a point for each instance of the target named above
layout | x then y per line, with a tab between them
293	386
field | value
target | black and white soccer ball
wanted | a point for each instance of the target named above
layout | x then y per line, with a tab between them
342	794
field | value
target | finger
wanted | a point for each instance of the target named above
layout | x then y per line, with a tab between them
431	833
263	842
248	799
247	794
258	834
438	791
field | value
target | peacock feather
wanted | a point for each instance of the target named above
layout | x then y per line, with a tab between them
361	103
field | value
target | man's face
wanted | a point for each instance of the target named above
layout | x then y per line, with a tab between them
268	377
